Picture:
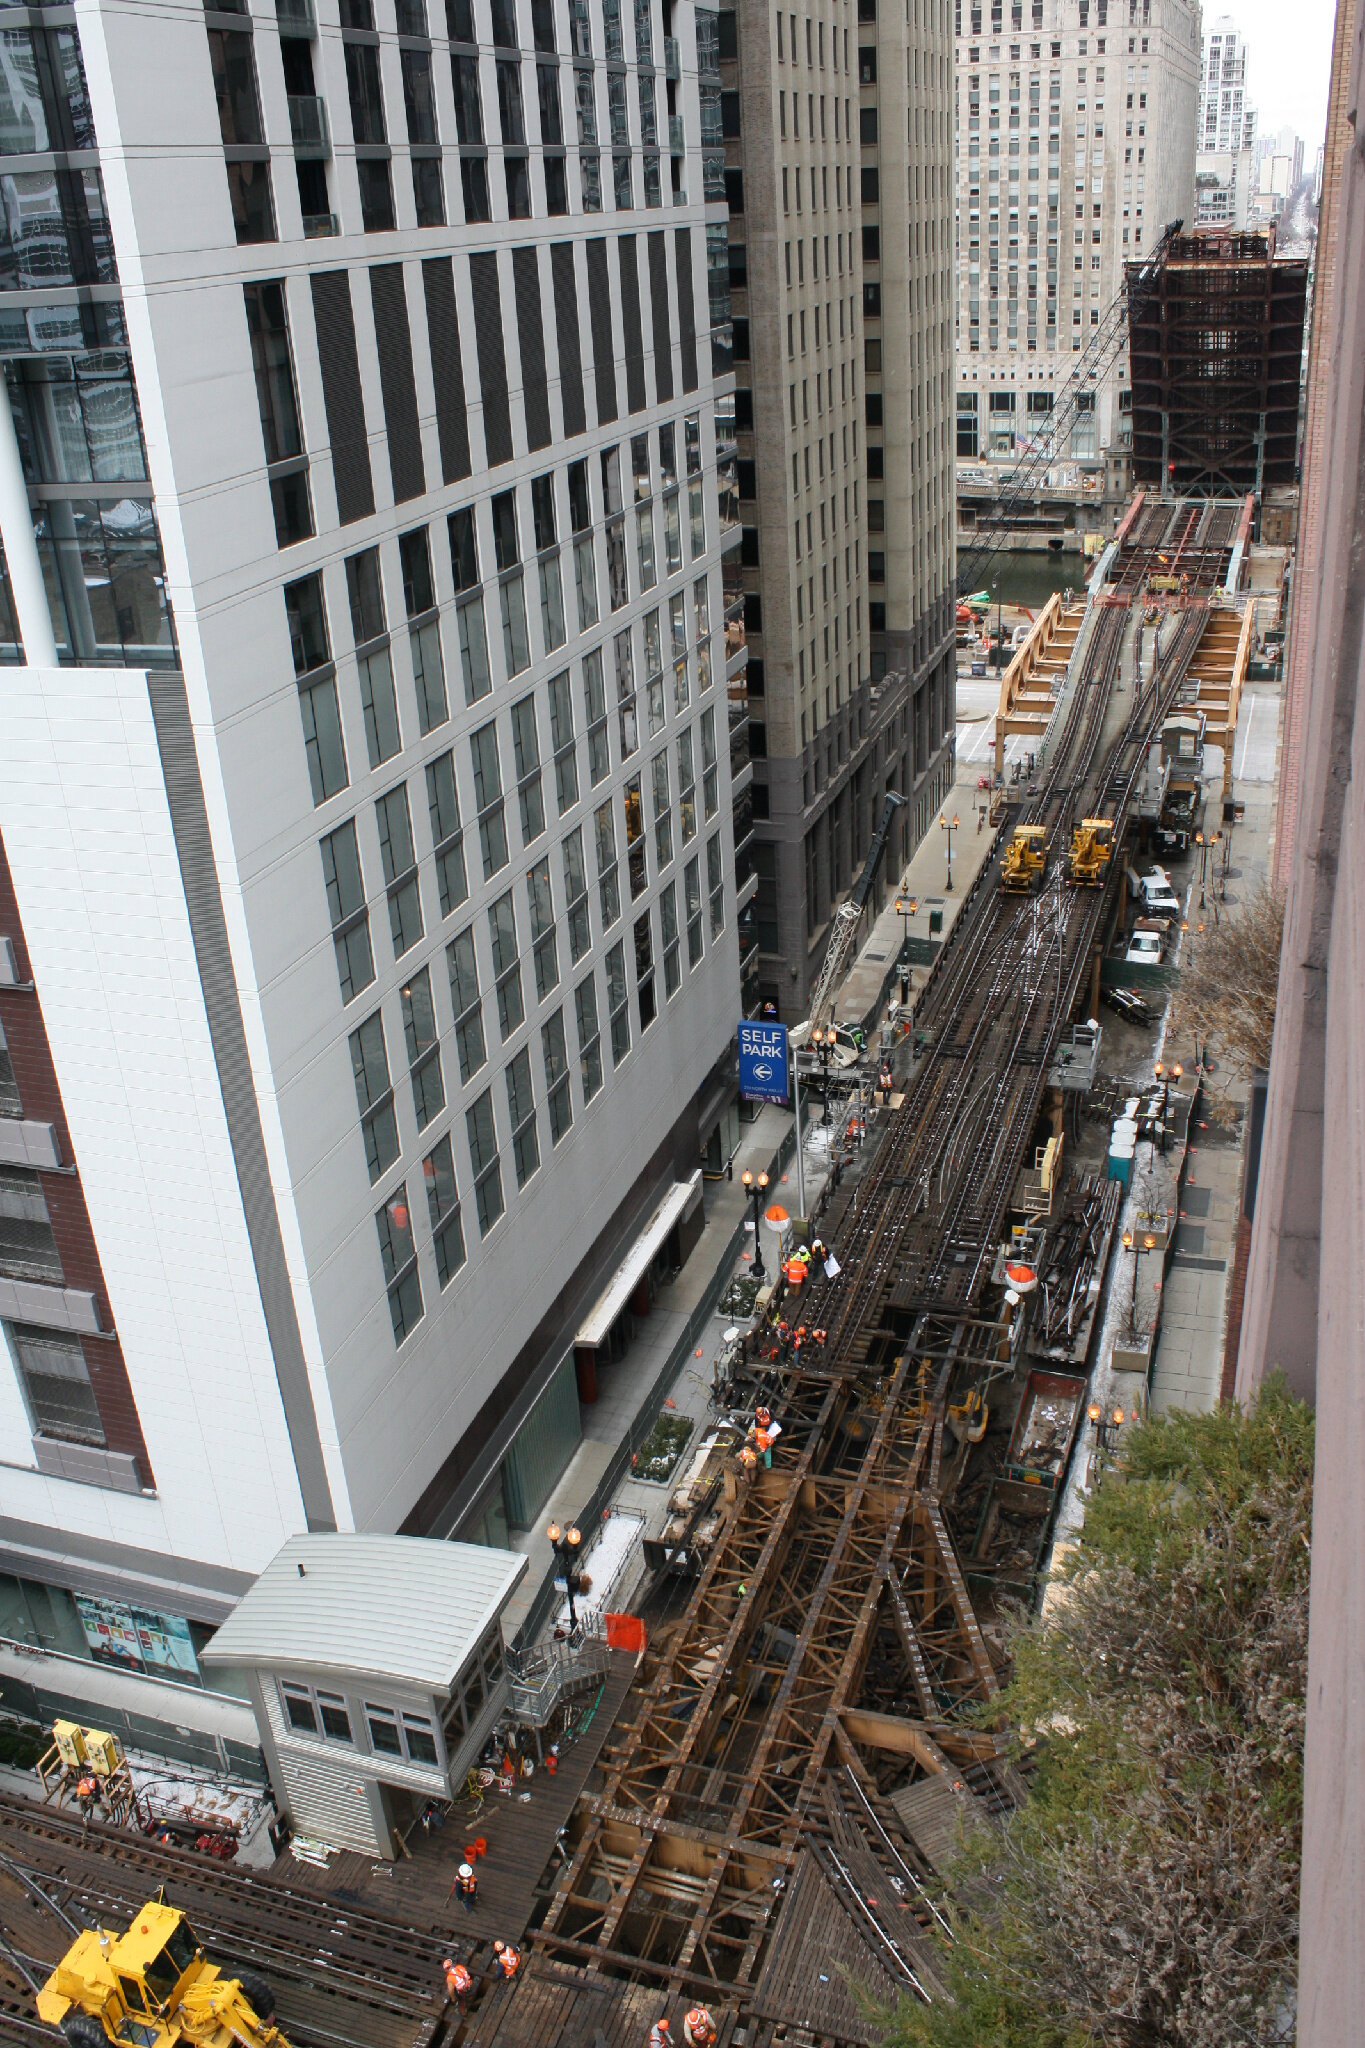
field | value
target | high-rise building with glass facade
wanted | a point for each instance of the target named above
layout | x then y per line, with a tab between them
368	950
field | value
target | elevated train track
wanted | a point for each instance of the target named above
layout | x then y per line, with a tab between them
837	1562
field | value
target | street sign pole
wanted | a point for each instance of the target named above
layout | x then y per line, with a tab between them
800	1163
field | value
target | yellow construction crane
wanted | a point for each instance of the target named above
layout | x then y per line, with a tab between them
1092	846
1025	859
155	1987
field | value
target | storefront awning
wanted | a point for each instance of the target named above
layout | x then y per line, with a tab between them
616	1295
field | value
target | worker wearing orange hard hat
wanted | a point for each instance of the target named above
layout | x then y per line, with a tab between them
459	1983
699	2029
659	2036
506	1958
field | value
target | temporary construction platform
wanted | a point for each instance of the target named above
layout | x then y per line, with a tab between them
1216	346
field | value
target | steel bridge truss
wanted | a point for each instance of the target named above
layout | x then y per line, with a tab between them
836	1552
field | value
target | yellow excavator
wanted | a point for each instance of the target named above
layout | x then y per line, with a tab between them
1092	847
1025	859
154	1987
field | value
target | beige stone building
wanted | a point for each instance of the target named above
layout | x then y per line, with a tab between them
838	138
1076	132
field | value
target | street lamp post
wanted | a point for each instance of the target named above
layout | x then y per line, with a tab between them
906	907
950	827
755	1187
1130	1244
823	1041
565	1543
1166	1075
1106	1426
1205	846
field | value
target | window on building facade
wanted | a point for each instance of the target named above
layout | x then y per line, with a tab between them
589	1038
277	399
483	1157
483	748
423	1045
502	931
56	1385
374	1096
526	751
399	1257
544	948
443	1211
521	1109
467	1002
618	1002
341	873
399	858
447	836
556	1055
576	895
562	741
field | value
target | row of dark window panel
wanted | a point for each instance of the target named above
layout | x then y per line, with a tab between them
393	1221
253	208
309	638
241	124
412	20
344	879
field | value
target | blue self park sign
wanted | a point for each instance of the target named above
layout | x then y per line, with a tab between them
763	1062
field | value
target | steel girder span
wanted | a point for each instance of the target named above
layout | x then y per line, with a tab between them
679	1866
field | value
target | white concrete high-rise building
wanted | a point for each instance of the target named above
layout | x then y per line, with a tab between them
1227	119
368	962
1076	124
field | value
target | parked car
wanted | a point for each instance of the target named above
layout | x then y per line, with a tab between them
1158	897
1147	946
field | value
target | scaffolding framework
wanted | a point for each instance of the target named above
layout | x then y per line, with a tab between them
1216	348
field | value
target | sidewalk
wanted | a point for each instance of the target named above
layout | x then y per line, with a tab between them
1196	1277
1188	1371
632	1391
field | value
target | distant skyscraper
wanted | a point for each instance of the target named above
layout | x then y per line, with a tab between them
1076	125
1227	120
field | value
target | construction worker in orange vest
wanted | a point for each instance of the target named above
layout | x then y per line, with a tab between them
659	2036
506	1958
699	2029
467	1885
459	1983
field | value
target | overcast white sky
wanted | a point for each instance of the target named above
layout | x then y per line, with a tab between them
1289	57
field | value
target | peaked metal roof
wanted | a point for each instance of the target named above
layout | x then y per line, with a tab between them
405	1607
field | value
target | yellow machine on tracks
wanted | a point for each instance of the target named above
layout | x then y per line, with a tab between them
155	1988
1025	859
1092	847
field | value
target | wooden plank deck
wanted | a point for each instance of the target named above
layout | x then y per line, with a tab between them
549	2007
816	1955
520	1836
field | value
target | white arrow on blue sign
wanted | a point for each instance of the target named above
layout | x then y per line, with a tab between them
763	1062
